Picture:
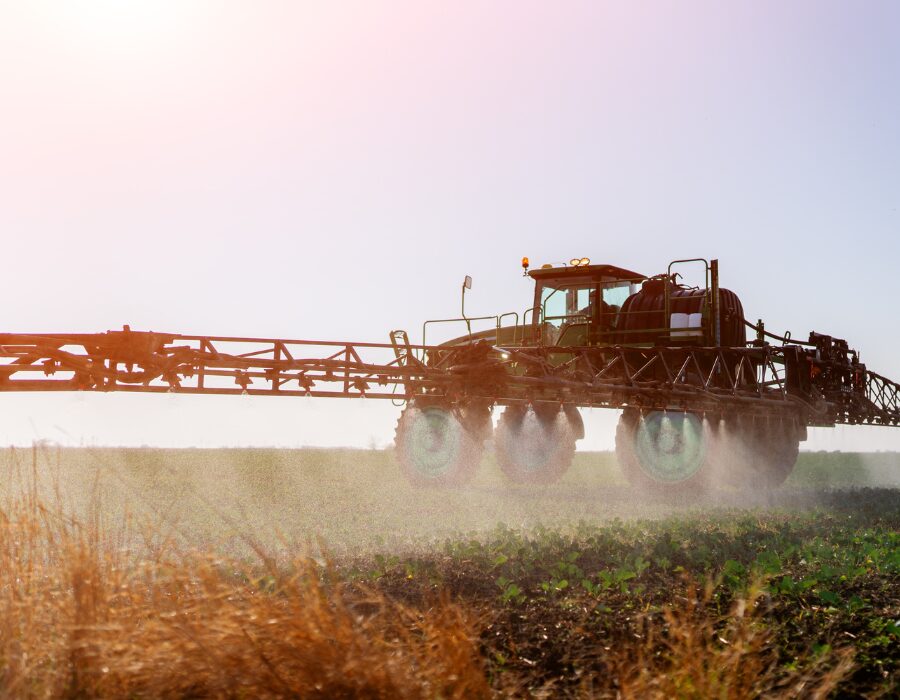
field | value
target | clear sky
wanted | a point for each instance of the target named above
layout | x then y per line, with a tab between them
332	170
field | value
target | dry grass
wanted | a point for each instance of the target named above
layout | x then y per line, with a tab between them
81	616
693	654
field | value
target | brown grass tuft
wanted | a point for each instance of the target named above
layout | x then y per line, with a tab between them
83	616
697	655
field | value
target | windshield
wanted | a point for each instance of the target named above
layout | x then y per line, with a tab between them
567	304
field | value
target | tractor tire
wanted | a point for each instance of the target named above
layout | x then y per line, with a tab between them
758	454
535	447
665	452
782	456
434	448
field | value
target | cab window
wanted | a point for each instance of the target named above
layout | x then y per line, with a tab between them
570	304
616	294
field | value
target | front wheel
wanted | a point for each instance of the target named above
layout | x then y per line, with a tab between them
434	447
666	451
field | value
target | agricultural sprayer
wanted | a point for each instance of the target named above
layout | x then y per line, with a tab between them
700	403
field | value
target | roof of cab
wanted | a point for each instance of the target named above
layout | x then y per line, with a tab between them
585	271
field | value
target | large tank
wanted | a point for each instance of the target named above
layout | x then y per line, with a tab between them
642	318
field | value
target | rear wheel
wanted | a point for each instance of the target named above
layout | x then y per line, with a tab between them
782	456
756	452
667	451
434	448
535	446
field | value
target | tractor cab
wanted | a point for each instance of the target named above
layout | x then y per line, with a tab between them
579	304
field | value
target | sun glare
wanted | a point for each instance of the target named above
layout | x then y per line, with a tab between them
120	24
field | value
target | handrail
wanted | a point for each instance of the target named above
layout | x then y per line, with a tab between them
667	292
498	320
467	320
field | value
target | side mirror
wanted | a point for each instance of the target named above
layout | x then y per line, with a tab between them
467	284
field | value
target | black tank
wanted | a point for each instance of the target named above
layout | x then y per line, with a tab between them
645	310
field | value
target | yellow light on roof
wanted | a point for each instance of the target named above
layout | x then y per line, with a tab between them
574	262
584	261
525	262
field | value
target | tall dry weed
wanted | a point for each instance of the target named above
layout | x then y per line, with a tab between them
695	654
81	615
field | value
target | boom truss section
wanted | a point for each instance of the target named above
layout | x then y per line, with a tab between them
160	362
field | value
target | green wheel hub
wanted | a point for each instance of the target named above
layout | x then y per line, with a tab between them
670	446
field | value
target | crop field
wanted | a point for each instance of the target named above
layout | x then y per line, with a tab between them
322	573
